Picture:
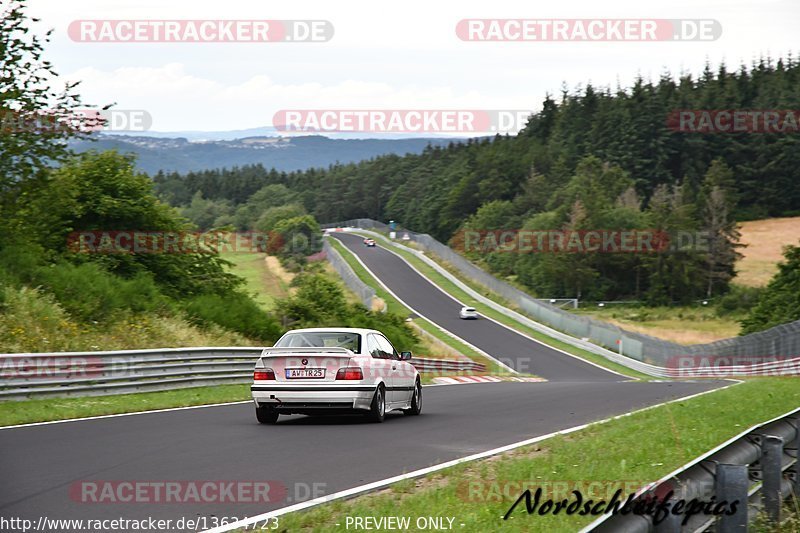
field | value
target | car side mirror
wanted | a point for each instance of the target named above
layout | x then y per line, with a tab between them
405	356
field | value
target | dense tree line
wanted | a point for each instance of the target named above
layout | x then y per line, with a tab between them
592	158
435	191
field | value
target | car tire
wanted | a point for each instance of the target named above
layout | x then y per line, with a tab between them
416	401
266	415
377	410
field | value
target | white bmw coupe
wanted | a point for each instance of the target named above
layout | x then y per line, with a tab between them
333	371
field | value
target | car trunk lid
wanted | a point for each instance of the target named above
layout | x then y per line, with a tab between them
305	364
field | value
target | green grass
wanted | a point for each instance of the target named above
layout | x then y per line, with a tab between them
45	410
487	311
33	321
394	306
264	286
643	447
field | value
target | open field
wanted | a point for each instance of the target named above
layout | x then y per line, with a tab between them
765	240
683	325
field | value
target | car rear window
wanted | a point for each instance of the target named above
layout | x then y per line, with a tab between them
321	339
469	309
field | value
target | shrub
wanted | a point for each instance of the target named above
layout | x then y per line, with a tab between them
89	293
235	312
738	300
19	262
321	302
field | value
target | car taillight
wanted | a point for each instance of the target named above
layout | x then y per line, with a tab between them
349	373
262	375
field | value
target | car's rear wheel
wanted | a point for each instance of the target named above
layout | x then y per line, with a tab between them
266	415
377	410
416	401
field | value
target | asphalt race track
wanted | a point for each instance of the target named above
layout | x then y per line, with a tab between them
517	351
41	464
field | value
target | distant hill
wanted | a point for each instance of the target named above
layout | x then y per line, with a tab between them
283	153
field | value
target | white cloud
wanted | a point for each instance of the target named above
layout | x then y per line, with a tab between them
385	55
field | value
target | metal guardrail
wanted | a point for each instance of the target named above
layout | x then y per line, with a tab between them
32	375
759	468
650	355
426	365
349	277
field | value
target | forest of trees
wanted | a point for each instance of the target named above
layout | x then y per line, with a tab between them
592	158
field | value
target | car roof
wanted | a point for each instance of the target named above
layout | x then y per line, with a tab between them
361	331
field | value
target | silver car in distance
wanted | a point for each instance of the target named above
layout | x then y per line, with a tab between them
333	371
467	313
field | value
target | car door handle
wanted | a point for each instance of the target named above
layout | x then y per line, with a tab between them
394	368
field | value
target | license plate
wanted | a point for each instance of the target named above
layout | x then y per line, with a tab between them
295	373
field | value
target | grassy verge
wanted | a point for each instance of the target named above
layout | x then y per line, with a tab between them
32	321
478	494
487	311
265	279
394	306
44	410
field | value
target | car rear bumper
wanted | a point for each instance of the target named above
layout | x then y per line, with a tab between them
311	398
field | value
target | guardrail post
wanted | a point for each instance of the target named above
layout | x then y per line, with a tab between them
771	455
731	485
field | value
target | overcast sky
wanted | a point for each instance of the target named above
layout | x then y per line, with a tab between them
385	55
